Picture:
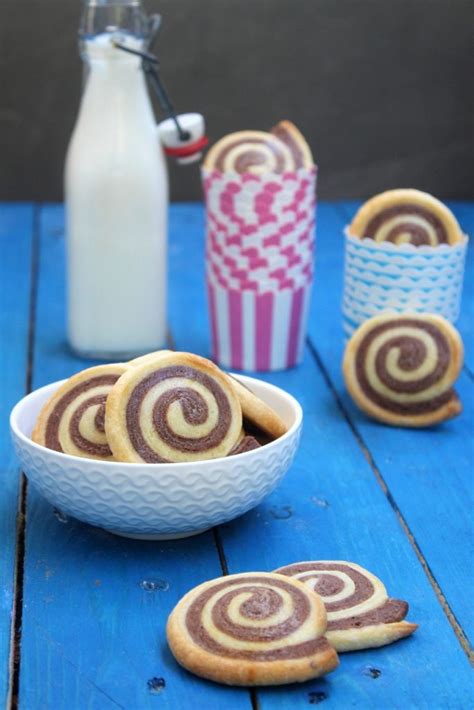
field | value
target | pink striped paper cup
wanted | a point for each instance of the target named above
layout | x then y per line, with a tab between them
259	281
251	267
266	259
265	243
257	207
257	332
260	257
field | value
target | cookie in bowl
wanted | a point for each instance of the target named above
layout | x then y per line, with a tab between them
175	407
159	500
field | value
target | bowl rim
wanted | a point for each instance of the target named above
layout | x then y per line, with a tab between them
62	457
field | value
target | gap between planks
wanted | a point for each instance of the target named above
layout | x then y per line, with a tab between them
16	630
469	372
17	612
345	213
457	628
16	625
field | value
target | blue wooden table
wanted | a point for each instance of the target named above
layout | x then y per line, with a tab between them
84	612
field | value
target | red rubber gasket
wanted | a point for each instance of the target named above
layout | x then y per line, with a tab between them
189	149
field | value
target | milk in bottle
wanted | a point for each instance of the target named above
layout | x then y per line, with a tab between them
116	194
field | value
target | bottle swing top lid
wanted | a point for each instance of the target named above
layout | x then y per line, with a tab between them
126	27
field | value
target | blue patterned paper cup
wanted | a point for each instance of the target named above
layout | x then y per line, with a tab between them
381	277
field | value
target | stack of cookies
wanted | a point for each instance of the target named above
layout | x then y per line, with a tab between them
404	252
260	191
287	626
160	408
404	267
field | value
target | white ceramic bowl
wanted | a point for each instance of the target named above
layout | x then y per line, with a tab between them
157	501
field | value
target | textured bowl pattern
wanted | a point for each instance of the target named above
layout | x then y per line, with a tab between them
155	500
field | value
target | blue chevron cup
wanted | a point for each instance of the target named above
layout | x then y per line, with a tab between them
381	276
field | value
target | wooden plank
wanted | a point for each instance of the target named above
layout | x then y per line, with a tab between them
47	657
330	506
95	605
431	465
16	233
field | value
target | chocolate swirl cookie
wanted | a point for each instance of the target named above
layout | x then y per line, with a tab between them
72	420
251	629
292	137
257	412
359	611
400	369
406	217
250	152
246	443
172	407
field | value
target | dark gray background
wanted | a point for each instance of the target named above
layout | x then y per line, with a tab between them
382	90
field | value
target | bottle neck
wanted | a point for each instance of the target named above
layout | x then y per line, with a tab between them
113	16
118	71
106	63
101	49
115	85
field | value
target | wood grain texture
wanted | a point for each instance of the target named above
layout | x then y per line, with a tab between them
16	233
429	472
331	507
96	605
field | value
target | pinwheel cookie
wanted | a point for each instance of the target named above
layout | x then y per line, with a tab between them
246	443
255	628
257	412
360	614
406	217
292	137
72	420
250	152
400	369
172	407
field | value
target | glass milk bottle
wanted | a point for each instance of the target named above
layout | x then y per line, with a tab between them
116	191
